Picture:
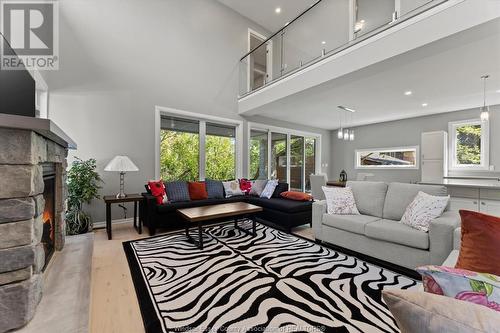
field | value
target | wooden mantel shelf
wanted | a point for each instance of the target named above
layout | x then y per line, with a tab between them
45	127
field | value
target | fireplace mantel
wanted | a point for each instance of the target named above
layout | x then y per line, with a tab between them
45	127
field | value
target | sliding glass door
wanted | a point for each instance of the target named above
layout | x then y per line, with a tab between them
289	157
297	163
258	155
279	156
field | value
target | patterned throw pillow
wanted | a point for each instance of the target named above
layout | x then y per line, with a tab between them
423	209
479	288
177	191
157	189
215	189
258	186
340	201
245	185
269	189
232	188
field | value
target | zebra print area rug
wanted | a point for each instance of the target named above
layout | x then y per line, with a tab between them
274	282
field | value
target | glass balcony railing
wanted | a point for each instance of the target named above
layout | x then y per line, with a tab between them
324	29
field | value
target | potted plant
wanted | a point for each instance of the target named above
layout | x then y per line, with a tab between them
83	186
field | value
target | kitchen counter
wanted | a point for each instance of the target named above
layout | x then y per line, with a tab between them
469	183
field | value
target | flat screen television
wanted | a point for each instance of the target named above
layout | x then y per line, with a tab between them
17	89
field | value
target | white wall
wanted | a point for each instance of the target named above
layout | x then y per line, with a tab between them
407	132
120	58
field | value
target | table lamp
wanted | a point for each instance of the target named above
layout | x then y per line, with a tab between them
121	164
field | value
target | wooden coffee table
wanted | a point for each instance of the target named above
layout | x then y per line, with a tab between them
235	210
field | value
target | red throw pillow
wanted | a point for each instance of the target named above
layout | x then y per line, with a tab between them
245	186
197	190
157	189
297	196
480	247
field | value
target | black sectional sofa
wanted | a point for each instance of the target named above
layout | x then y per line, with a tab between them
282	213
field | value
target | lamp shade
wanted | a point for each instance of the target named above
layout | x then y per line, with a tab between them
122	164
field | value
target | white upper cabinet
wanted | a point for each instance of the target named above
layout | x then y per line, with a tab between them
434	155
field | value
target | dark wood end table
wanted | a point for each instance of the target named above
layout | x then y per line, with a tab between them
111	199
235	210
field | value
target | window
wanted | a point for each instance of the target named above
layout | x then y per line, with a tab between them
469	145
387	158
192	149
179	149
279	153
220	152
258	155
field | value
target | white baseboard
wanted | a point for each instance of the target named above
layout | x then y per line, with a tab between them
102	224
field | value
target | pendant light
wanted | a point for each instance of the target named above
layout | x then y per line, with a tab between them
485	110
351	135
340	132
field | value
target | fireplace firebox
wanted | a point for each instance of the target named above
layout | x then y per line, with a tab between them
48	216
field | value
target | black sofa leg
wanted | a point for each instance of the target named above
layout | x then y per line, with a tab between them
311	224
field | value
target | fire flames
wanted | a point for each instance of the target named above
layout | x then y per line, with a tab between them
48	219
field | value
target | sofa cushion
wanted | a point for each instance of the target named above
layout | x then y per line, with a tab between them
395	232
369	196
400	195
215	189
283	205
352	223
177	191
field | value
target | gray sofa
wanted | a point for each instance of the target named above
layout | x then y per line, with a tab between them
377	231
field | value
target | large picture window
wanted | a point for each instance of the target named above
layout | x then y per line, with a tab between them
220	152
194	149
469	145
279	156
179	149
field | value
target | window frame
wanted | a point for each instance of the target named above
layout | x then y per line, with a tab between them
485	145
358	152
202	119
289	132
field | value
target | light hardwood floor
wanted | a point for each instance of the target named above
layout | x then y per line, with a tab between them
114	307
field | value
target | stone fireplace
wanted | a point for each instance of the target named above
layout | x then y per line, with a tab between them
32	203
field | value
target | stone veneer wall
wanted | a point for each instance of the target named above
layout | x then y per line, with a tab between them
21	206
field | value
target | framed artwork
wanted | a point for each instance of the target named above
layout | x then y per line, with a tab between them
387	158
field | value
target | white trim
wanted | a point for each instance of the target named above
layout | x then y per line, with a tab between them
385	167
485	145
202	118
202	132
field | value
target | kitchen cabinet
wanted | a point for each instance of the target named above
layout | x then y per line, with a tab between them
434	155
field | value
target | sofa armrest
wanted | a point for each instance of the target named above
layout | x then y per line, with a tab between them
318	210
457	238
441	236
149	212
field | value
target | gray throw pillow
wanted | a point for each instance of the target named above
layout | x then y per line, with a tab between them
215	189
258	186
177	191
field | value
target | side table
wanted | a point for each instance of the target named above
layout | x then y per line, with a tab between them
111	199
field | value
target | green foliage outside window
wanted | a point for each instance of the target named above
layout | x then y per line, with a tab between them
220	157
179	156
468	145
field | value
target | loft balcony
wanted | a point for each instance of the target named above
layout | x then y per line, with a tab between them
333	38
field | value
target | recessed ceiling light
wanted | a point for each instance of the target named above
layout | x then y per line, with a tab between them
424	104
408	93
323	42
277	10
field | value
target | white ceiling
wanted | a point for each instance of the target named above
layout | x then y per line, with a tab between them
263	11
445	74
